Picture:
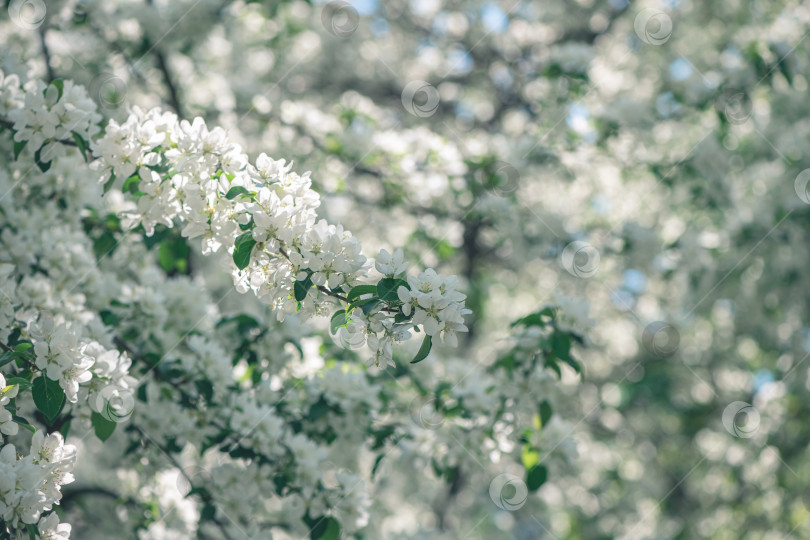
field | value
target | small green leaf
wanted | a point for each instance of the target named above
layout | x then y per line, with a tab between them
363	301
6	358
22	347
318	410
369	306
42	166
545	413
18	147
60	86
360	290
173	254
131	184
103	427
339	320
387	288
109	183
81	144
536	477
24	384
325	528
376	465
48	397
242	249
424	350
529	457
301	287
24	423
236	191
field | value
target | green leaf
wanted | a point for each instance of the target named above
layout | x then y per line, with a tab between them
301	287
65	429
376	465
536	477
369	306
18	147
109	183
424	350
32	531
561	348
104	245
6	358
103	427
173	254
318	410
24	423
131	184
24	384
205	389
387	288
60	86
545	413
339	320
529	457
363	301
360	290
42	166
536	319
242	249
236	191
22	347
81	144
48	397
326	528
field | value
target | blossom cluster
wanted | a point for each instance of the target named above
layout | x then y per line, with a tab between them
31	484
265	216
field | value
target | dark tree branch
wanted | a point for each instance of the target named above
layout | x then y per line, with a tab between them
46	52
